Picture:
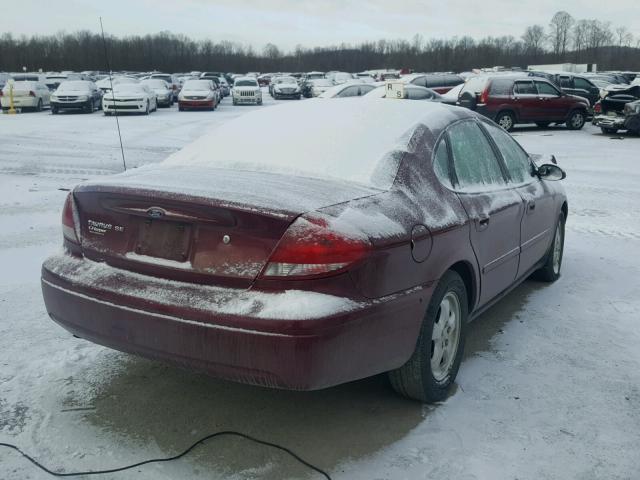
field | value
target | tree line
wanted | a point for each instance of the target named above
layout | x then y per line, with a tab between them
565	39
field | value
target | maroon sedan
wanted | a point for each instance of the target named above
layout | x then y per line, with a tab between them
326	248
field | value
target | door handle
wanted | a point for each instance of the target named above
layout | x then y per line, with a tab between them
482	222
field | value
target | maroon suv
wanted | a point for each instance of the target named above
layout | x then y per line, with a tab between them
509	100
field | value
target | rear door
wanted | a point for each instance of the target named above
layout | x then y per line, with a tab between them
551	104
538	219
525	100
494	209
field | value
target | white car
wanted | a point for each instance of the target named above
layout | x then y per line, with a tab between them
130	98
246	90
26	94
319	86
163	91
351	89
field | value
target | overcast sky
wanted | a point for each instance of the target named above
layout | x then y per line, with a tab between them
307	22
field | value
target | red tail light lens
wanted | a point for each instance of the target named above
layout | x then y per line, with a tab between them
597	108
69	220
484	96
32	93
313	246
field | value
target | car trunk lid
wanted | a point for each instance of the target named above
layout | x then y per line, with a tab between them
196	224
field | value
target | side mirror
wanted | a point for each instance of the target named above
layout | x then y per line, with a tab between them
552	172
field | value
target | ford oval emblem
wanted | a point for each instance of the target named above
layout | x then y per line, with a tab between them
155	212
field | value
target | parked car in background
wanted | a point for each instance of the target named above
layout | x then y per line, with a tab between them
340	77
53	80
451	97
573	84
351	89
246	90
76	95
27	94
410	92
3	79
129	98
618	109
511	99
163	91
264	80
106	83
285	87
174	82
439	83
225	89
198	94
318	86
367	254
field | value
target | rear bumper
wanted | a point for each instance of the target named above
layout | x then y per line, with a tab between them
345	341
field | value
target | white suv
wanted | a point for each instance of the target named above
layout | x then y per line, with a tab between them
246	90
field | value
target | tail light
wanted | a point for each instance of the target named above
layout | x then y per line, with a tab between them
69	223
32	93
1	93
597	108
484	96
314	246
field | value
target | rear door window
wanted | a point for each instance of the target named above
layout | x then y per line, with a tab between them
475	164
515	158
349	92
565	82
525	88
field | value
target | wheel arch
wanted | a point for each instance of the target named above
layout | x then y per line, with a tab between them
506	109
467	273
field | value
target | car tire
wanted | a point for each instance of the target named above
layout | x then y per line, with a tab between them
423	377
506	120
146	112
54	110
39	106
608	131
543	124
550	271
576	120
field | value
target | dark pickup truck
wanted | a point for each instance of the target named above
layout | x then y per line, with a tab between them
618	110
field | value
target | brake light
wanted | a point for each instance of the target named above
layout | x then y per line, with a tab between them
484	96
315	246
1	93
69	220
597	108
32	93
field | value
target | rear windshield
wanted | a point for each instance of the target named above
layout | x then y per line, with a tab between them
501	86
475	85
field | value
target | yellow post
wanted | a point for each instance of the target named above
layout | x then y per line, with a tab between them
12	110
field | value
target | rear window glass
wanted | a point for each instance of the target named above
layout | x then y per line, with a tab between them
500	86
475	85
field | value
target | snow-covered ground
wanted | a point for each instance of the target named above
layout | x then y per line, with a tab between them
549	389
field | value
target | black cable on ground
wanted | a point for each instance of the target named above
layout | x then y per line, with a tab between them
168	459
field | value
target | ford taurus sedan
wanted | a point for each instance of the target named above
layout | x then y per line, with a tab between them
370	253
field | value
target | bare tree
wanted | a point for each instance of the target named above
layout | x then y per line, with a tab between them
533	39
560	32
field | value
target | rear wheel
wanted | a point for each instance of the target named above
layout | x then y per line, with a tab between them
506	120
550	271
576	120
39	106
146	112
434	364
608	131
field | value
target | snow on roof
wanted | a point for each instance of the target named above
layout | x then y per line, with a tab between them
349	139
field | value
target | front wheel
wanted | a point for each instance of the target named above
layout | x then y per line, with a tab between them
146	112
506	120
550	271
576	120
433	367
39	106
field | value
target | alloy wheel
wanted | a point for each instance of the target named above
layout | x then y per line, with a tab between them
445	336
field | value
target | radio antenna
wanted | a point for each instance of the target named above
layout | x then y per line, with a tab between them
106	57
